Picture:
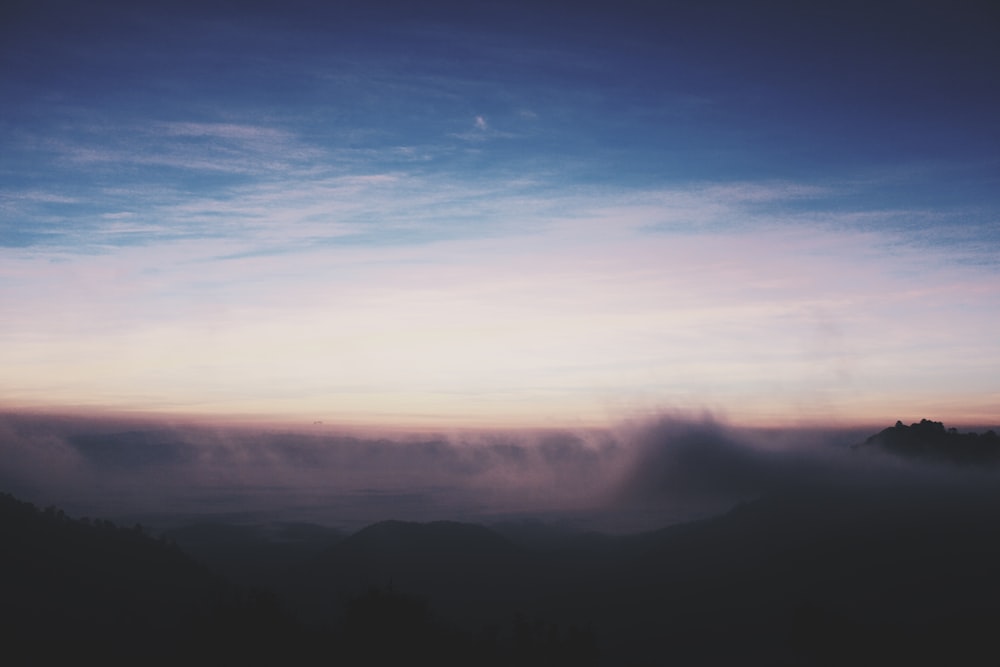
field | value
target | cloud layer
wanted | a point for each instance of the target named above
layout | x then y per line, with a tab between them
640	475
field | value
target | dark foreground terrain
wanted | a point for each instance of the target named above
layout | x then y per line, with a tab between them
868	574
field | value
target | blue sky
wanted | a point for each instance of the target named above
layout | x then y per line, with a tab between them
524	213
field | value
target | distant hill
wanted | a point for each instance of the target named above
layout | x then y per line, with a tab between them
932	441
464	568
868	574
825	576
253	554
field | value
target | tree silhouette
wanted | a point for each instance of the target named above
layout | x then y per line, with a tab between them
930	440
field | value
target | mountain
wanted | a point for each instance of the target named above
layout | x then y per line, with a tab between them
253	554
930	440
833	575
819	576
82	589
873	570
464	568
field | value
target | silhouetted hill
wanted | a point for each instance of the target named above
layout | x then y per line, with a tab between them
932	441
89	591
463	568
442	551
539	535
438	539
862	574
253	554
867	576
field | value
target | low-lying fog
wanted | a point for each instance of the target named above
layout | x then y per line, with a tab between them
636	476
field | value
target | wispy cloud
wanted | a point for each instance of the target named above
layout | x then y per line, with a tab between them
481	131
232	152
226	131
563	305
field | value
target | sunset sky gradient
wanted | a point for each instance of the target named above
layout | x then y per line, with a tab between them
512	213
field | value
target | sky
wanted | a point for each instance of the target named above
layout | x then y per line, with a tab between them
501	213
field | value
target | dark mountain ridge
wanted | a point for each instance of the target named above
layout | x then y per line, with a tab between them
250	554
888	571
83	588
930	440
802	578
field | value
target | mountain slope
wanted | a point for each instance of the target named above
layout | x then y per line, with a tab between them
464	569
83	589
874	575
